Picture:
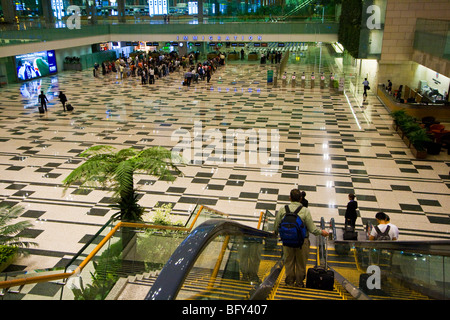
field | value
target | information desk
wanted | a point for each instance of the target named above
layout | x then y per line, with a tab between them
417	110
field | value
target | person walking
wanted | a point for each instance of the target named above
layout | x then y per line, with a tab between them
151	72
43	100
296	258
62	97
366	87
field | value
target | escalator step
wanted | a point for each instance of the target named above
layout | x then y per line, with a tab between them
293	293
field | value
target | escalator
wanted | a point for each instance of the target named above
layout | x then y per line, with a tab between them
224	260
231	261
214	258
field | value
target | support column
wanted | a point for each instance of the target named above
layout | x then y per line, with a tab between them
92	11
121	10
200	11
9	11
47	11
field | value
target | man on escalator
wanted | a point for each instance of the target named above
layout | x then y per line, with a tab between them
295	259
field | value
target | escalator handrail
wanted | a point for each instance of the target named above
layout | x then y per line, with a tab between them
264	289
354	291
432	247
172	276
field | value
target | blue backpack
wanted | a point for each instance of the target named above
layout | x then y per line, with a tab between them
292	230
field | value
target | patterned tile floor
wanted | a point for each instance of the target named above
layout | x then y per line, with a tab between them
328	145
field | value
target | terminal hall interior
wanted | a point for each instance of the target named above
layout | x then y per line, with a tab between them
258	98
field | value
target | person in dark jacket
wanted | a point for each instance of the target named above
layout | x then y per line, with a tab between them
350	213
304	202
43	100
62	97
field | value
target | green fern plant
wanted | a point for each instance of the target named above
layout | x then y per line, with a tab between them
9	232
114	171
419	139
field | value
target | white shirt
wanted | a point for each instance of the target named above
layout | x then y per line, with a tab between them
393	231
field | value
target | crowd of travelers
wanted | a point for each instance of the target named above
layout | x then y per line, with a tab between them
151	66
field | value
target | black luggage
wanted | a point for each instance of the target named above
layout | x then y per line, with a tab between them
41	109
69	107
349	232
350	235
320	277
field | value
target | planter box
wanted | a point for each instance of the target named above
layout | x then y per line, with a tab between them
406	141
394	126
252	57
418	154
72	66
8	262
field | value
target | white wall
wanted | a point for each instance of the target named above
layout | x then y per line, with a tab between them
61	54
424	73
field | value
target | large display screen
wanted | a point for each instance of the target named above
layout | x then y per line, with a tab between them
34	65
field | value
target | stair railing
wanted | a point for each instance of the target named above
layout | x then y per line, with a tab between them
74	271
199	252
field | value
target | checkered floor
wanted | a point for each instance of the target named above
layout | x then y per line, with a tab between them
328	145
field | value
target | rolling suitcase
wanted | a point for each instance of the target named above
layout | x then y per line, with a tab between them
349	232
69	107
41	109
320	277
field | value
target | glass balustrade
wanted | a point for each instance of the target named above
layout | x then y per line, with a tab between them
131	251
398	270
433	37
186	12
117	250
12	36
48	290
228	268
202	213
221	260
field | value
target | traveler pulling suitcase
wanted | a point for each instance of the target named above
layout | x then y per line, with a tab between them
320	277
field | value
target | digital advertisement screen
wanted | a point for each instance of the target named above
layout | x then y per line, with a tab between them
37	64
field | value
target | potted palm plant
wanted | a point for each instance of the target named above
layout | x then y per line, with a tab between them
11	243
114	171
419	140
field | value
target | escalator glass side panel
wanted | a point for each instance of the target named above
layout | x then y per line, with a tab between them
395	269
220	259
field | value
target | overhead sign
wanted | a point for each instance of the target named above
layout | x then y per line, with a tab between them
220	38
157	7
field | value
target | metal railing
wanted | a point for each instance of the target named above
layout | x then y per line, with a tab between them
72	270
